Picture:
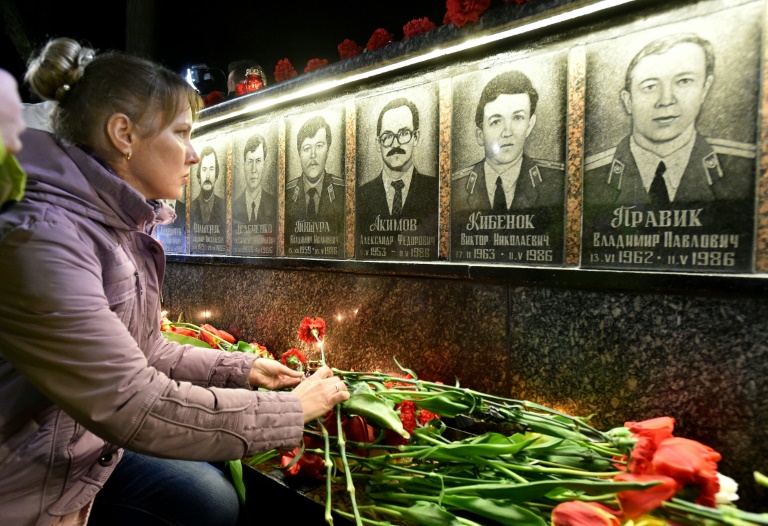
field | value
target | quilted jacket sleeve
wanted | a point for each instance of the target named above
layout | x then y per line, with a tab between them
58	331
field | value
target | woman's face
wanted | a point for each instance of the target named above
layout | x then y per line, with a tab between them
159	165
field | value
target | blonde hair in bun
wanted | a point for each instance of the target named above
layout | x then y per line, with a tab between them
89	88
58	68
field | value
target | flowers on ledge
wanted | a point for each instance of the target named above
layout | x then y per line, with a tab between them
315	63
348	49
458	13
409	450
417	27
284	70
380	38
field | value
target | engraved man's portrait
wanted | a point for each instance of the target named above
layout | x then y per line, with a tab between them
665	158
208	208
254	202
508	174
314	188
670	155
397	199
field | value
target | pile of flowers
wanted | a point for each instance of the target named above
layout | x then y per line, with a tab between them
207	335
406	453
411	451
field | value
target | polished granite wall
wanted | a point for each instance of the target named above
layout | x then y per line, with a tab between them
702	359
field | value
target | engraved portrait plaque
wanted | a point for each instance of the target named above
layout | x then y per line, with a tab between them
173	237
254	191
507	163
315	184
208	207
670	156
397	192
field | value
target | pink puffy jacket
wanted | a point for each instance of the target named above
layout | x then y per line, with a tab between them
84	370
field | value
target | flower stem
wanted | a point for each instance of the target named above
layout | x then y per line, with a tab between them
347	472
328	477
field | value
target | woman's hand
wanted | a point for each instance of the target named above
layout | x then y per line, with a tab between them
271	374
320	392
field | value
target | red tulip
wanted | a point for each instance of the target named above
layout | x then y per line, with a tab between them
649	434
183	331
358	430
578	513
635	503
224	335
689	463
286	458
208	334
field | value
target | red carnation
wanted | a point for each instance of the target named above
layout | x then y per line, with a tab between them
381	37
349	49
294	359
417	26
459	12
426	416
312	330
407	410
284	70
315	63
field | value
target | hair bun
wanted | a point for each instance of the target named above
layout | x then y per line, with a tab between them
56	70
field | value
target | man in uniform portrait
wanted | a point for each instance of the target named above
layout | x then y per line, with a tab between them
506	179
208	208
665	159
316	195
399	190
255	205
314	201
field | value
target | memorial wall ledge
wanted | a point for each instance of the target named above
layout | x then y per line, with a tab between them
740	285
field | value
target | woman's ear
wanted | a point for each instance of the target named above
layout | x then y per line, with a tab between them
120	132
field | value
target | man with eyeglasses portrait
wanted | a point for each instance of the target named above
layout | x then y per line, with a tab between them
400	200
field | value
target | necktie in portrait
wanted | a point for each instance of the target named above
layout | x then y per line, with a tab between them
499	199
312	204
397	202
658	191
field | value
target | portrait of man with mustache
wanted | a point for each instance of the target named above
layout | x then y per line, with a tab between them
208	210
400	199
314	201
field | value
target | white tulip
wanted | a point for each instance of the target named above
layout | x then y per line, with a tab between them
728	489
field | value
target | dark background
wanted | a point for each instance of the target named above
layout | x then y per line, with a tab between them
180	35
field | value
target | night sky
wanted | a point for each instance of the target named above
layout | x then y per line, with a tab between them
185	36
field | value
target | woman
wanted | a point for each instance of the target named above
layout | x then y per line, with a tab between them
84	370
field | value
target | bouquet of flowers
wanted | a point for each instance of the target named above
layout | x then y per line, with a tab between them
411	451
